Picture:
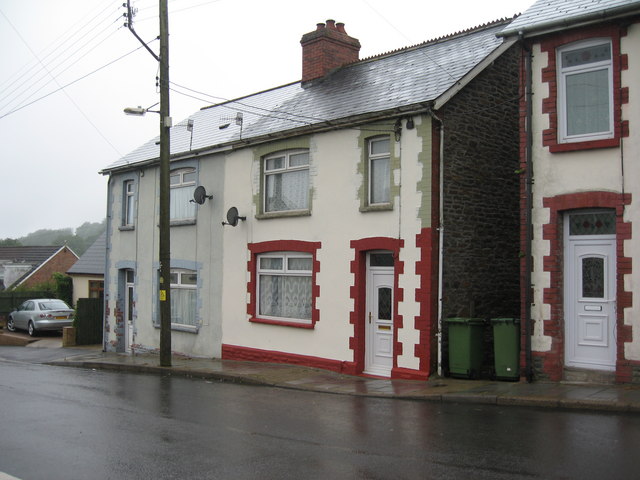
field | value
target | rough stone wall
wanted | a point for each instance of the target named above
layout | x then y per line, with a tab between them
481	196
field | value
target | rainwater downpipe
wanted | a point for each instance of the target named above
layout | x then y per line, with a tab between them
440	234
528	208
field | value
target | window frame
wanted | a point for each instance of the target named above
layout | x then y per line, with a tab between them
180	285
285	271
562	75
371	157
286	154
295	248
182	184
128	204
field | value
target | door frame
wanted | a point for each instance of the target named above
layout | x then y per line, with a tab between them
370	367
571	297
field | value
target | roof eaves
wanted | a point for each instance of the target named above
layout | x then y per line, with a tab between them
543	28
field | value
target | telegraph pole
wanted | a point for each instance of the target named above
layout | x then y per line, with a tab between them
164	290
165	234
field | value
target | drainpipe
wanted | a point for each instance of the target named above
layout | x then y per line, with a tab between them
528	210
440	236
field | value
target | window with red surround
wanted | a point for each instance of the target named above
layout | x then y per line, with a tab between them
585	91
282	286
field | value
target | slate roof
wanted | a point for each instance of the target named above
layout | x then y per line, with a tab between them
554	14
394	82
29	255
92	262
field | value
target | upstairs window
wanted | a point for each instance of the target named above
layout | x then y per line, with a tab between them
128	203
379	165
183	184
585	92
286	181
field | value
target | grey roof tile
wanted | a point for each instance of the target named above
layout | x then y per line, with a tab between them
394	80
92	262
545	13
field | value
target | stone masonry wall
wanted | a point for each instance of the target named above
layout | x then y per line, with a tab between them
481	197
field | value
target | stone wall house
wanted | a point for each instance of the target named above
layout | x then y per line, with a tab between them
337	219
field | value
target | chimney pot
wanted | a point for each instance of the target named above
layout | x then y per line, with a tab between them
331	24
340	27
320	26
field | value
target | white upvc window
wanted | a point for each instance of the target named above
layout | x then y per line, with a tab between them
128	202
184	285
183	184
585	91
379	164
285	287
286	181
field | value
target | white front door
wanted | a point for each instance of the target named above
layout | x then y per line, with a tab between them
590	301
128	310
379	316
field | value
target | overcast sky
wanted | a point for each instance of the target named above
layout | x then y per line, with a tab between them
69	67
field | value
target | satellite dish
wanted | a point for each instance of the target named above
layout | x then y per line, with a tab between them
200	195
233	217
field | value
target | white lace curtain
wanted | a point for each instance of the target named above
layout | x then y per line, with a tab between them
285	296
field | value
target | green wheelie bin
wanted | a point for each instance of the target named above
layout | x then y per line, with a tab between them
506	348
465	346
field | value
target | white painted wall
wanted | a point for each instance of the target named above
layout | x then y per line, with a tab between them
572	172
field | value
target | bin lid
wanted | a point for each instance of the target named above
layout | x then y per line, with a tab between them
515	321
465	321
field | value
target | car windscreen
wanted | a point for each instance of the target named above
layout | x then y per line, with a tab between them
54	305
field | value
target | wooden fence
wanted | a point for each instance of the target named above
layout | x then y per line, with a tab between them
89	317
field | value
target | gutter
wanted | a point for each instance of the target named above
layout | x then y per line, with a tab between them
528	211
347	122
572	22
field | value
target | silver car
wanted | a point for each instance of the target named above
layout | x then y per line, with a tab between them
41	314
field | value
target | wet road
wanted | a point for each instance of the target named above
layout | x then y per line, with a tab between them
66	423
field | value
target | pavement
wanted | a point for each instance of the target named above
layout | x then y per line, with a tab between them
564	395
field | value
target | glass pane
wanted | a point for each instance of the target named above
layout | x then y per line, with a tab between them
286	297
588	102
189	177
274	163
380	180
271	263
299	264
381	260
593	277
380	146
180	203
287	191
582	56
183	306
189	279
299	159
384	303
174	179
173	278
129	276
600	223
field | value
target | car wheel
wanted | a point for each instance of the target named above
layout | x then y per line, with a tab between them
10	325
31	329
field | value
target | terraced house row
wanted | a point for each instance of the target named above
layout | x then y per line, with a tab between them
489	173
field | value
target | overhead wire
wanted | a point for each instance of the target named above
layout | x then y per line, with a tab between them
24	76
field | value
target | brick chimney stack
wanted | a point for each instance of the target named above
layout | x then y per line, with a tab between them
326	48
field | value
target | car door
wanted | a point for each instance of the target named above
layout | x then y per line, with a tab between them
21	317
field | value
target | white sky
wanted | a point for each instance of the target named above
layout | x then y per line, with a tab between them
51	151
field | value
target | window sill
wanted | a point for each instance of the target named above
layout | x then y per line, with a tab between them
386	207
284	214
126	228
182	223
282	323
177	327
587	145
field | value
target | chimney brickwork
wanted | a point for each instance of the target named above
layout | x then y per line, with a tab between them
326	48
